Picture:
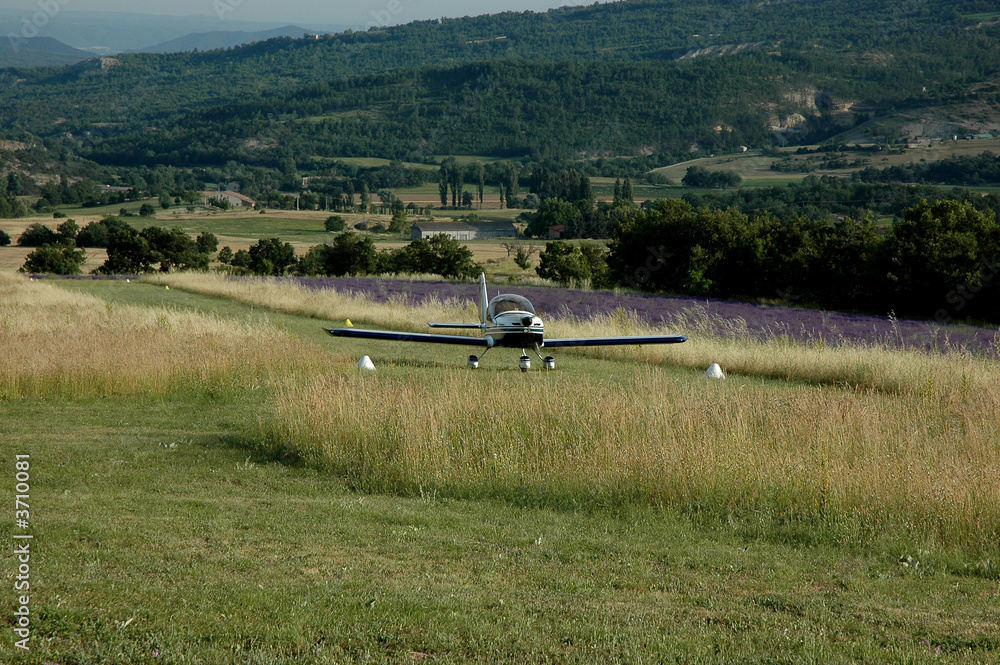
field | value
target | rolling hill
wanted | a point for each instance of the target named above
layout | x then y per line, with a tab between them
38	52
660	79
219	39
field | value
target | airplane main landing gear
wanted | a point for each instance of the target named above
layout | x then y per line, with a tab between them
548	362
473	362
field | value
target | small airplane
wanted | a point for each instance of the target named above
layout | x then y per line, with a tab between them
507	321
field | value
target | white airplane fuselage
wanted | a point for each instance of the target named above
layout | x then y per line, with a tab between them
515	330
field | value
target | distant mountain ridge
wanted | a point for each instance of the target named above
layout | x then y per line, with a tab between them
38	52
652	78
207	41
108	33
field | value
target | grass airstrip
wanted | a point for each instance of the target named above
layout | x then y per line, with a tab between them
213	481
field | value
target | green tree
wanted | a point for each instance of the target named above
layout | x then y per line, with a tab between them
439	255
68	231
564	263
94	234
241	259
37	235
366	197
15	187
270	256
480	174
399	222
146	210
552	212
207	242
4	238
347	254
61	259
129	253
938	253
443	187
225	255
335	224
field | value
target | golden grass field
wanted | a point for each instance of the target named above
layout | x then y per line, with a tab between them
856	438
72	345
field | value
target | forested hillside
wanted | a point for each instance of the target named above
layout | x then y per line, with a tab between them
660	78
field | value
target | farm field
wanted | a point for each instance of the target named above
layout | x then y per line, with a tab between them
263	502
755	168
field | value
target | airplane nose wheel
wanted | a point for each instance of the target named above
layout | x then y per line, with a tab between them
524	363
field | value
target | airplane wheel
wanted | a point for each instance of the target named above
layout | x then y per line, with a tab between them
550	362
473	362
524	363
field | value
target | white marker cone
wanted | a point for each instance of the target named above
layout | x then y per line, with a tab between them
366	363
714	372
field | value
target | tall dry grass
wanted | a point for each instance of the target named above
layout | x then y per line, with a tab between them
857	441
852	463
62	344
893	370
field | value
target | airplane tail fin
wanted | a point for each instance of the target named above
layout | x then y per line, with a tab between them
482	298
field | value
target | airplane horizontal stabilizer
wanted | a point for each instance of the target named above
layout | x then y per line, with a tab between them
614	341
408	337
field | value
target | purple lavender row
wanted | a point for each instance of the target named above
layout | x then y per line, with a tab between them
721	317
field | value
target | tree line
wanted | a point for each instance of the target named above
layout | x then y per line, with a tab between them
981	169
153	248
939	260
130	251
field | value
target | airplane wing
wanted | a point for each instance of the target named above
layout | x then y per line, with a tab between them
614	341
408	337
455	325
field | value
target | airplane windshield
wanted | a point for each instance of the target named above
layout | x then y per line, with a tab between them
508	302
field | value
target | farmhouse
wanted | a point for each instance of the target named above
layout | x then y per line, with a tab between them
235	199
463	230
112	189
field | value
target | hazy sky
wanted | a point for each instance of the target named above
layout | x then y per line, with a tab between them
326	12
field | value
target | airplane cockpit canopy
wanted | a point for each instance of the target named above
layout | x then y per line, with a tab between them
508	302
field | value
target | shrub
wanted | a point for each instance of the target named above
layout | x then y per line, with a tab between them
335	224
564	263
37	235
94	234
55	260
348	254
207	242
441	255
68	231
270	256
4	238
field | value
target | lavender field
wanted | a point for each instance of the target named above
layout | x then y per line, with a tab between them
719	317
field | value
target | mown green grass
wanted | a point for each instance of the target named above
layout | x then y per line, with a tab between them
162	536
166	533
